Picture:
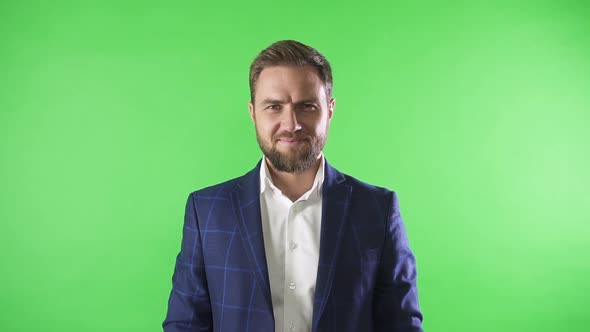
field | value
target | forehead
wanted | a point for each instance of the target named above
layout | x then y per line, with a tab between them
289	81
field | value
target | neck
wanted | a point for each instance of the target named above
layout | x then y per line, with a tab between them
294	185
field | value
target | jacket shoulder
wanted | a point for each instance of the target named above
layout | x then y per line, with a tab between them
371	195
365	187
225	188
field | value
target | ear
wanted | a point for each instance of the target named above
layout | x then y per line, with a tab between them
331	106
251	110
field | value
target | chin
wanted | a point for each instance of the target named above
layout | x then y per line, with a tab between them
294	153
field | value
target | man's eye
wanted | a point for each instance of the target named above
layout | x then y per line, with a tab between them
309	107
274	107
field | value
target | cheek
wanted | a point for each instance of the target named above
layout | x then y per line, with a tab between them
318	127
266	129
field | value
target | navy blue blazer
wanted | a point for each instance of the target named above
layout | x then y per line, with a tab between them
366	278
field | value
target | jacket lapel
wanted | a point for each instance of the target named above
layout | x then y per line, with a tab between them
335	203
246	205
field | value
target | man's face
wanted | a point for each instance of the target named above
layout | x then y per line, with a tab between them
292	116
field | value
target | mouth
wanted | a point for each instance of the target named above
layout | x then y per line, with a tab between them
291	141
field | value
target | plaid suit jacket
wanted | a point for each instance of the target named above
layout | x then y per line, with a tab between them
366	279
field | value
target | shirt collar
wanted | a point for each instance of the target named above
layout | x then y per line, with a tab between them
266	179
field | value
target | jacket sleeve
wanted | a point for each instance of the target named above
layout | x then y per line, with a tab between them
395	301
189	307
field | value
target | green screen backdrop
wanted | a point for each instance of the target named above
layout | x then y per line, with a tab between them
477	115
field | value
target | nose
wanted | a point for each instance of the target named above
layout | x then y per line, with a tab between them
289	120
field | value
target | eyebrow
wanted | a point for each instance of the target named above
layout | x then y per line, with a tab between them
277	101
271	101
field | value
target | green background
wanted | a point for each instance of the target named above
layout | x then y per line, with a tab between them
478	115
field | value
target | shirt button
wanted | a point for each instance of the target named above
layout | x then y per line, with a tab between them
293	246
292	285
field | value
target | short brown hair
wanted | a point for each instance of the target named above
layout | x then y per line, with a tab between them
291	53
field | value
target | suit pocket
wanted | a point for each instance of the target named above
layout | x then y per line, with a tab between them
371	255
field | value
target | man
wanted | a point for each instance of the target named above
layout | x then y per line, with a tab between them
293	245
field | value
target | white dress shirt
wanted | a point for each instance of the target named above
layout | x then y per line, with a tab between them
291	232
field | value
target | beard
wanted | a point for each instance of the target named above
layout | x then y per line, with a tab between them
300	158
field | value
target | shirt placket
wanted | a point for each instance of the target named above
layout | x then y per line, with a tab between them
290	286
291	283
